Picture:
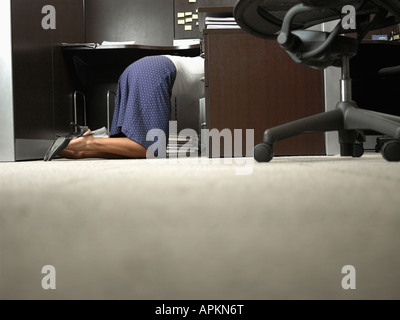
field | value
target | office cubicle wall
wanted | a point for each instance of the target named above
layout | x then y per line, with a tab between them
32	79
36	90
7	150
332	77
332	95
148	22
186	19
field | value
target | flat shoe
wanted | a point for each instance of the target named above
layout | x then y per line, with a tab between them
56	147
61	143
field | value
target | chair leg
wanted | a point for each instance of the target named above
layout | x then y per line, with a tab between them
385	115
388	125
365	119
348	120
326	121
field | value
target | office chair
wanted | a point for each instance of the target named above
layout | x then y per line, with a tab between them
289	22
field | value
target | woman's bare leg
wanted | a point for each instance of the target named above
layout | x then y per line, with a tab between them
88	146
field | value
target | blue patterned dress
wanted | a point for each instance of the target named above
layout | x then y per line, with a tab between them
143	99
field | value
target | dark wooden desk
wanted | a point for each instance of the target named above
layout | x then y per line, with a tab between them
97	68
93	62
251	83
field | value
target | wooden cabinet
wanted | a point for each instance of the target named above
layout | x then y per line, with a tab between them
252	83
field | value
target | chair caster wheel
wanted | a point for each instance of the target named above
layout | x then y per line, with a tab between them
355	150
391	151
263	152
358	150
381	141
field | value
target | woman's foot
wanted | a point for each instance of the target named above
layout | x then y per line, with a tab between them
78	146
87	146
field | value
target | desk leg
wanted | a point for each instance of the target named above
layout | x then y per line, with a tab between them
109	94
76	120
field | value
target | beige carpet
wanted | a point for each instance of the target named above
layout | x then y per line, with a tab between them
141	229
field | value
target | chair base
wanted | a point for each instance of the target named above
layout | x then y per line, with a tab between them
349	121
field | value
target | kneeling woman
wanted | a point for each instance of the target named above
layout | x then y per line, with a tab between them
143	103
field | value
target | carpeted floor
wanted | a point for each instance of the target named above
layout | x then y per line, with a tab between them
155	229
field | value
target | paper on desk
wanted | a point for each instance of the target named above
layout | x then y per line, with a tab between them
101	133
89	44
221	19
222	26
117	43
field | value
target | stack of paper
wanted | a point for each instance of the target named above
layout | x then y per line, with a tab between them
117	43
182	146
221	23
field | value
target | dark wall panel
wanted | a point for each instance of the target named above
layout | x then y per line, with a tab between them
149	22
